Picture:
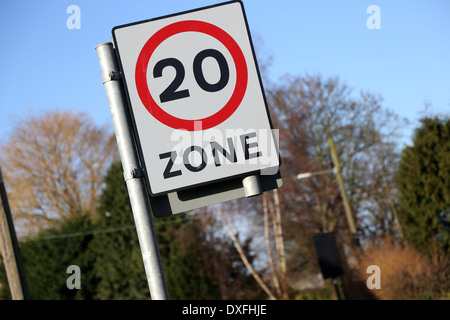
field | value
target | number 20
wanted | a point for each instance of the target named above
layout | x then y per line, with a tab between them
171	93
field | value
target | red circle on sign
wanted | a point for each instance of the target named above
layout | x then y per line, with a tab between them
193	26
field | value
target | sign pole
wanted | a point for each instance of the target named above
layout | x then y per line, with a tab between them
133	173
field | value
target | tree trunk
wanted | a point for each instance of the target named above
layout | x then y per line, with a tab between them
274	274
280	246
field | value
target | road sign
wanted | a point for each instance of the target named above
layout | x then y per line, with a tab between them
196	98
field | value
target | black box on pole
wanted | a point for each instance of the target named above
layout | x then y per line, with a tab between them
328	255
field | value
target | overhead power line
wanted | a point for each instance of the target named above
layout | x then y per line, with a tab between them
79	234
91	232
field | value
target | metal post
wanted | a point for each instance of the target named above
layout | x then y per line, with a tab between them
335	284
252	186
9	248
133	173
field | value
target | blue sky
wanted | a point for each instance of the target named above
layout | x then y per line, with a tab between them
407	61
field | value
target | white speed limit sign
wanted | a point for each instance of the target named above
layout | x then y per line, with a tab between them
196	97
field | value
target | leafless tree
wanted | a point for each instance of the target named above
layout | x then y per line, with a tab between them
54	164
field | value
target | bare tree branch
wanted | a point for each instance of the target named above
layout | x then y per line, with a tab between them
243	257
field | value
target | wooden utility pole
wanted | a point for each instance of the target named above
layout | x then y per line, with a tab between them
348	210
10	251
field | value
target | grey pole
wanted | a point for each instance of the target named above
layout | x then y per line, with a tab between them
133	173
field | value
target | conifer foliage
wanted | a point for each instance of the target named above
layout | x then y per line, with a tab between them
105	246
424	186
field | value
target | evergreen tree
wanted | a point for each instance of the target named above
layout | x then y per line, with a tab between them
119	265
47	257
424	186
186	259
197	265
